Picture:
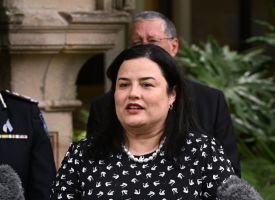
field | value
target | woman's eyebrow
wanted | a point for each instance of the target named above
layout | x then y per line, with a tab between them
142	79
123	79
146	78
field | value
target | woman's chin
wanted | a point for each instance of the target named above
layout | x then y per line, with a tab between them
134	124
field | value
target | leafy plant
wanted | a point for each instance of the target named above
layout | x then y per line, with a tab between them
268	38
248	93
82	116
78	135
250	98
261	174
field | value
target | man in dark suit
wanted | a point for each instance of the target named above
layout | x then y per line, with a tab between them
211	108
25	144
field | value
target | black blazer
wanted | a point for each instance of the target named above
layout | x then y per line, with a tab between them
212	113
31	157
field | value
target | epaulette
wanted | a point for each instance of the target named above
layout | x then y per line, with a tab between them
21	96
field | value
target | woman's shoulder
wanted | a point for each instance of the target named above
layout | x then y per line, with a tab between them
82	145
202	141
197	138
206	147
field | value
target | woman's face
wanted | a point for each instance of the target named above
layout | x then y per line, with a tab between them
141	97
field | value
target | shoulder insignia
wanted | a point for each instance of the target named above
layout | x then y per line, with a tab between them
21	96
44	125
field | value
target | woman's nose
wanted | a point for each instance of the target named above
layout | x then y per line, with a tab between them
134	92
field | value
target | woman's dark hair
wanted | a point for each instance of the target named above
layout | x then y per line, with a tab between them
180	120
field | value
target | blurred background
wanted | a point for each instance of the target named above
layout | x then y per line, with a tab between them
57	52
230	22
224	27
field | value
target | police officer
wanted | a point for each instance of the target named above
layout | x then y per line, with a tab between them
25	144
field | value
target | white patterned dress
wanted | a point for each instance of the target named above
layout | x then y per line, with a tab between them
119	178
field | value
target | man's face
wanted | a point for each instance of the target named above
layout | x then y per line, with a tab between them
144	32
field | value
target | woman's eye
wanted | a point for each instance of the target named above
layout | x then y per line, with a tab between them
122	85
147	84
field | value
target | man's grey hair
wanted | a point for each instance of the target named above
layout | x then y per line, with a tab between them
168	27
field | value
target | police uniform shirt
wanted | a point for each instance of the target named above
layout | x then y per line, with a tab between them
25	144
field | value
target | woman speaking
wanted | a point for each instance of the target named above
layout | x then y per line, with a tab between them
149	145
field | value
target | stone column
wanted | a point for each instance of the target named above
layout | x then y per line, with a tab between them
45	43
182	18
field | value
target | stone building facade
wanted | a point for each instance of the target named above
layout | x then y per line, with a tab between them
44	44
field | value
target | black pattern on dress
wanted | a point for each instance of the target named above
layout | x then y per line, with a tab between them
206	167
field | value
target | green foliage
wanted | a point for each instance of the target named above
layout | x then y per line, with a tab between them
82	116
268	38
78	135
261	174
248	92
250	97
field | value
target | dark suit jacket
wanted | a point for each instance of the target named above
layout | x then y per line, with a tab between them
31	158
212	114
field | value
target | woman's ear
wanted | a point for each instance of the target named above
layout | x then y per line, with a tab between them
172	95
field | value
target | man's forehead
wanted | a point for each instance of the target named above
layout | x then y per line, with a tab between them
143	23
148	26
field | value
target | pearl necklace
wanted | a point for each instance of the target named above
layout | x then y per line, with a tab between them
141	158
